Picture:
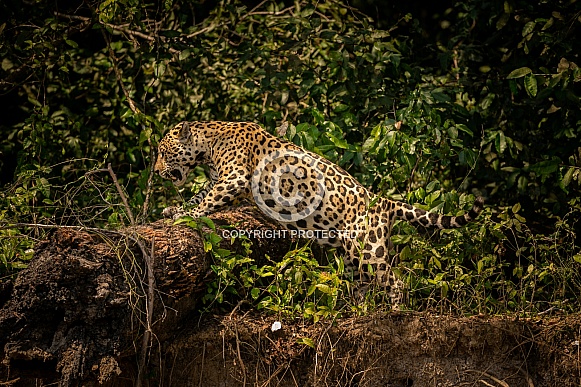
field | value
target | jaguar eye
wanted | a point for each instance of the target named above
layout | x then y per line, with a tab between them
177	175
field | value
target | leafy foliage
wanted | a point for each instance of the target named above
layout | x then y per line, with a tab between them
481	99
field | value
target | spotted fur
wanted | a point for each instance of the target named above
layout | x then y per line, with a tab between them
234	150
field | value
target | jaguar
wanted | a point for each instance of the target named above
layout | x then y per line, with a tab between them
299	189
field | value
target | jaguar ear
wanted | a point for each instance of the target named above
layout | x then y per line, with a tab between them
185	132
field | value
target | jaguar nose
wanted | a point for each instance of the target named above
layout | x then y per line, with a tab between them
157	167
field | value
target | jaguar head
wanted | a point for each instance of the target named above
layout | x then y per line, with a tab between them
178	152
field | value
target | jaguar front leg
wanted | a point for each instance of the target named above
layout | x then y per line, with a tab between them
214	177
225	192
170	212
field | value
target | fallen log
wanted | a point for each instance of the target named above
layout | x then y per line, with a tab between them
81	305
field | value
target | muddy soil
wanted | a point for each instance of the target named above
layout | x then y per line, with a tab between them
385	349
77	316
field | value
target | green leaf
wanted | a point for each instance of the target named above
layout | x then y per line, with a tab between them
433	196
545	167
108	10
71	43
208	222
159	69
214	238
439	96
144	135
548	24
185	219
567	178
531	85
502	20
19	265
500	142
453	132
185	54
223	253
406	254
339	142
522	183
519	73
465	128
507	7
306	341
324	288
369	144
444	288
7	64
170	33
328	34
307	11
437	263
467	157
433	185
528	28
113	218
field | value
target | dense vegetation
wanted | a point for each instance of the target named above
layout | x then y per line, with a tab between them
429	106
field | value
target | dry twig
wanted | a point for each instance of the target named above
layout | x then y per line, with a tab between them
148	257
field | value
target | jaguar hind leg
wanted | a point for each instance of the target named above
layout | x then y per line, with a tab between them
387	282
368	270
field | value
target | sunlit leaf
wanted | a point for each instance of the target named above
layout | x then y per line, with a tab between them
528	28
519	73
531	85
566	180
500	142
306	341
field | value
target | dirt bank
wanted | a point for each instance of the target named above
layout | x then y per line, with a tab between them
395	349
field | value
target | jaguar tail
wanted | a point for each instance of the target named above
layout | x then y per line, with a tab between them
420	217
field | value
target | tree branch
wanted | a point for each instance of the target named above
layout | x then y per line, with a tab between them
122	29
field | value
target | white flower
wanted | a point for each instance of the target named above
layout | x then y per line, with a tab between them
276	326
